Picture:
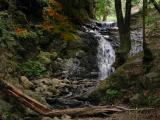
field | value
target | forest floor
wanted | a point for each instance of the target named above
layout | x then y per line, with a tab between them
154	115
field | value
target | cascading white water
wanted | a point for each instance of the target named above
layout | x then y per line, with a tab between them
105	57
105	53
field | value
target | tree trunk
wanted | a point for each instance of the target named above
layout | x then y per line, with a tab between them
105	14
11	10
124	31
148	57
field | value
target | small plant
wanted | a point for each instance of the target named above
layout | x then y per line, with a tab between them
33	68
112	94
24	34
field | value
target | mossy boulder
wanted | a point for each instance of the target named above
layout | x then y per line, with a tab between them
46	57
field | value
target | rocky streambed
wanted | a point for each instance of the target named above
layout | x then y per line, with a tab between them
77	80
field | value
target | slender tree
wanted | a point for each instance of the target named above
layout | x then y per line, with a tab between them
148	57
124	30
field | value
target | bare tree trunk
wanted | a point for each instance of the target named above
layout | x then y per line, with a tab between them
124	31
148	57
11	9
105	14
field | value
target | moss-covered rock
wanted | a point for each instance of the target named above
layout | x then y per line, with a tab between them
46	57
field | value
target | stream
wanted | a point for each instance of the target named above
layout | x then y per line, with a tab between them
105	52
74	93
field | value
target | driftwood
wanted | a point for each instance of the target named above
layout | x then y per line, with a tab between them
45	111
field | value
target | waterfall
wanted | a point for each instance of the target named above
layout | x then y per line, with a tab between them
105	52
105	57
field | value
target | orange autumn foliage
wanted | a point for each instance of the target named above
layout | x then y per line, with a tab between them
52	13
47	25
20	31
67	36
55	22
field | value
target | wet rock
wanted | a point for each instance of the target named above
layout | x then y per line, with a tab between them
64	103
62	93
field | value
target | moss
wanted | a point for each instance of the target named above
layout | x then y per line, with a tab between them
46	57
12	110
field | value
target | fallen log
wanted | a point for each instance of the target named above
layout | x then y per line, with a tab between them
45	111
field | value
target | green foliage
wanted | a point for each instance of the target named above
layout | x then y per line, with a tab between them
46	57
27	35
55	22
7	39
105	7
135	2
112	94
33	68
7	65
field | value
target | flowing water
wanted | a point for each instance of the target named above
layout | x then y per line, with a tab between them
105	51
105	57
75	93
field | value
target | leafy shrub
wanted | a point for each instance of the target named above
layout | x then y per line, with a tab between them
55	22
33	68
112	94
7	39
